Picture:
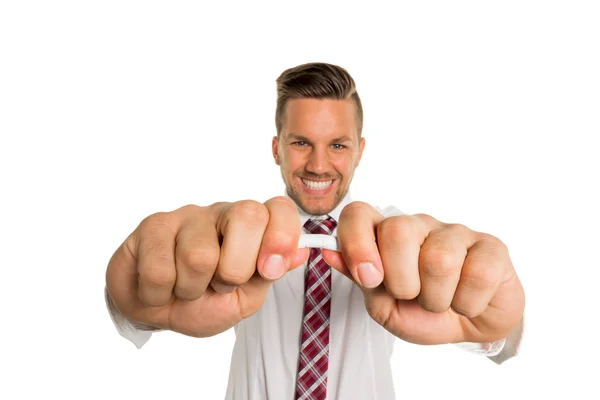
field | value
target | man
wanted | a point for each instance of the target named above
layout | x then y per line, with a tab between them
305	330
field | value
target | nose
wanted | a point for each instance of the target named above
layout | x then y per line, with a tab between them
318	161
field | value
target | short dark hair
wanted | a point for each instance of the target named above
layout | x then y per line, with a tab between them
317	81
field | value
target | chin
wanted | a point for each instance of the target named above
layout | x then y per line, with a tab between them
314	206
317	207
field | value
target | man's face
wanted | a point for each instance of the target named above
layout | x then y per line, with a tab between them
318	150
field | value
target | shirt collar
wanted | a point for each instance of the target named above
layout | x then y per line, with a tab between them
335	213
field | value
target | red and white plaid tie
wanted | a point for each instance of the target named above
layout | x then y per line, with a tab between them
311	383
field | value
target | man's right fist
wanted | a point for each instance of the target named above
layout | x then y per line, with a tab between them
200	270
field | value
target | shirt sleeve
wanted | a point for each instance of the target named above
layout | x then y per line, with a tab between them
501	350
498	351
137	333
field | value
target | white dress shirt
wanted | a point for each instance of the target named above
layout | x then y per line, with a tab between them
265	355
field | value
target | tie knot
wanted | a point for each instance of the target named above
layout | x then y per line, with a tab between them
324	225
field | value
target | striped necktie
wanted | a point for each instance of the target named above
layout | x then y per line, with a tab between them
311	383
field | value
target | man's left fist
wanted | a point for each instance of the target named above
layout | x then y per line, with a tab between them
429	282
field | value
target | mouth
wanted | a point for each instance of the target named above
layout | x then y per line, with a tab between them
317	187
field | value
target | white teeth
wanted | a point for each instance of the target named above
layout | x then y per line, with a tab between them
317	185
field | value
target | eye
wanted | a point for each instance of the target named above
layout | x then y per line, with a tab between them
299	143
338	146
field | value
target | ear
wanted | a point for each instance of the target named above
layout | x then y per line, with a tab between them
360	151
274	149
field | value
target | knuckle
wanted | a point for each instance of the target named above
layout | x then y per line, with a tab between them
154	246
190	209
438	263
458	228
156	221
157	250
155	226
249	210
234	277
466	310
494	243
159	277
480	277
282	200
202	258
398	227
424	217
217	207
354	208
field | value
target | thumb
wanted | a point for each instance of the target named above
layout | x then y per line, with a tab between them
257	286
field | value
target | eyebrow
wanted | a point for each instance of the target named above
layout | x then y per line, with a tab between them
296	136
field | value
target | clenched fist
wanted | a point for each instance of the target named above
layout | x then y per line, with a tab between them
428	282
200	270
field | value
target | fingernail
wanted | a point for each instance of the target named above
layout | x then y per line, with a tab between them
368	275
273	267
222	288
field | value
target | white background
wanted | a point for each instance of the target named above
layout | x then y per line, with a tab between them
483	113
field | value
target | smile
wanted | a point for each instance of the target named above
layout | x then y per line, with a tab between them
316	185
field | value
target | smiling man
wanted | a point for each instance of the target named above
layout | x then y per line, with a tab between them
315	323
318	151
